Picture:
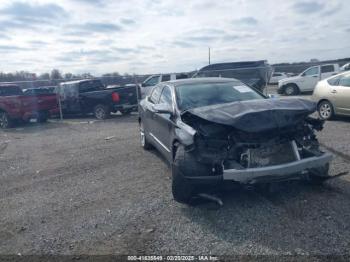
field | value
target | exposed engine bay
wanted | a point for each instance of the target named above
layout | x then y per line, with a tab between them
253	134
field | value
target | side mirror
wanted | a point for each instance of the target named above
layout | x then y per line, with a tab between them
162	108
143	84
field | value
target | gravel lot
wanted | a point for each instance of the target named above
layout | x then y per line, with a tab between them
87	187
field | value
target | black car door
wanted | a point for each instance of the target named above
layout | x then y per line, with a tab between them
163	123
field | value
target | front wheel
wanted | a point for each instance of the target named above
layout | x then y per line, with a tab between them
101	112
291	90
5	120
185	164
325	110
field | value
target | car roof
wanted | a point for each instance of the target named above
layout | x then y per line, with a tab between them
200	80
78	81
8	85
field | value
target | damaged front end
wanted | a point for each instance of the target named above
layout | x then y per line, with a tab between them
257	141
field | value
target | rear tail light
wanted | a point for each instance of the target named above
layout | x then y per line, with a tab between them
115	97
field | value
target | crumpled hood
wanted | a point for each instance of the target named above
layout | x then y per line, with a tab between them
256	115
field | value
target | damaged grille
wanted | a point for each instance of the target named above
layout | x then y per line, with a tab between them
270	155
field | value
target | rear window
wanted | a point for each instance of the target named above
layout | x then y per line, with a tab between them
89	86
10	91
204	94
327	68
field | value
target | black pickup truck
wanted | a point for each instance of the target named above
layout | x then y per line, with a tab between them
90	96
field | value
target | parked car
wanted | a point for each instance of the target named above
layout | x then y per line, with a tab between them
345	67
255	74
15	105
307	80
90	96
276	76
153	80
216	130
333	96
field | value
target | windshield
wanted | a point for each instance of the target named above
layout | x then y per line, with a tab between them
205	94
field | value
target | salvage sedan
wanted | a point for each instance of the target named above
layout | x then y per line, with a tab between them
215	130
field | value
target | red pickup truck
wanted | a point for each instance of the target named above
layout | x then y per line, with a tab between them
15	105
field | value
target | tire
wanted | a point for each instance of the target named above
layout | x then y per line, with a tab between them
291	90
42	117
5	120
325	110
318	176
143	139
101	112
125	112
185	165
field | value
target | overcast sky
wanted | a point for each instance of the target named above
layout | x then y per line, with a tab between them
101	36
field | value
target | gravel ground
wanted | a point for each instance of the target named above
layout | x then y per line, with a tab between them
87	187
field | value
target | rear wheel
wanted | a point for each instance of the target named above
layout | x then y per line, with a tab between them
325	110
101	112
291	90
5	120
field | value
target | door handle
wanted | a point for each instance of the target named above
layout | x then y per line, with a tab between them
334	91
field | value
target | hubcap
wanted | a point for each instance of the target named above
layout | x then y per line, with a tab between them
289	90
100	113
142	135
325	110
3	120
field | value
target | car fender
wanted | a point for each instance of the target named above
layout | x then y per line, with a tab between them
184	133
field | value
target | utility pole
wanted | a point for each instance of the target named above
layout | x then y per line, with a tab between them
209	55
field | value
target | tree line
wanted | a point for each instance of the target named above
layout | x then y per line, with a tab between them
55	74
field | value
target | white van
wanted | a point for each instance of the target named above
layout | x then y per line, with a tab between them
307	80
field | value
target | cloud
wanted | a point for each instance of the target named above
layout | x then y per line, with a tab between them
127	21
332	10
125	50
249	21
98	27
91	2
11	48
182	44
34	12
201	38
73	41
308	7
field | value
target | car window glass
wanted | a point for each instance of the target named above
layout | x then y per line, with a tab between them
166	96
89	86
312	71
345	81
154	98
204	94
334	80
152	81
165	78
10	91
327	69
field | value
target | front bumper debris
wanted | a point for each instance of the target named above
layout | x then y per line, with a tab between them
253	175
